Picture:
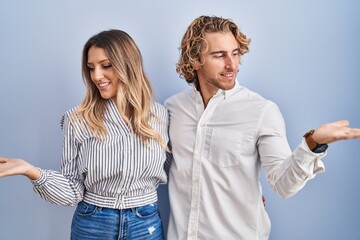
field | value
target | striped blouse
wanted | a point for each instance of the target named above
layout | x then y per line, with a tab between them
119	171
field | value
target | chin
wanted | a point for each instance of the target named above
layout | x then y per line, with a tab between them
106	97
228	86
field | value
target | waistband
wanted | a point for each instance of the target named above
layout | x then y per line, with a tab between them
120	201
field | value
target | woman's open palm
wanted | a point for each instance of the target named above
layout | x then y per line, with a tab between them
16	166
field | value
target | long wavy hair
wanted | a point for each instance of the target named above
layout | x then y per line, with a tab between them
193	42
134	94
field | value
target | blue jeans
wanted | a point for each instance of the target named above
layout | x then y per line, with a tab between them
91	222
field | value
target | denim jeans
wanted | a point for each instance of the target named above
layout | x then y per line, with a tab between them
91	222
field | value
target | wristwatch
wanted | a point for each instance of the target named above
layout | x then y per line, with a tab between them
314	146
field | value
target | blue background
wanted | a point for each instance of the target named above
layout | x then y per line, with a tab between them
304	56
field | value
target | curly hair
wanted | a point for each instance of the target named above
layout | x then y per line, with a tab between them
193	42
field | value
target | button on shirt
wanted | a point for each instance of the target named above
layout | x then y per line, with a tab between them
218	151
118	171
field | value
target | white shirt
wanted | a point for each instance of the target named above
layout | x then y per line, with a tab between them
118	171
218	151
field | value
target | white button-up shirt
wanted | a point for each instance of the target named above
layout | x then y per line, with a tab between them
218	151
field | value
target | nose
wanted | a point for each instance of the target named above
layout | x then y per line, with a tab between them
97	74
230	63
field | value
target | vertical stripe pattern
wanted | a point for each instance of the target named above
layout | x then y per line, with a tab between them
118	171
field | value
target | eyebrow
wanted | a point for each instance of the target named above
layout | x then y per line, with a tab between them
100	61
222	52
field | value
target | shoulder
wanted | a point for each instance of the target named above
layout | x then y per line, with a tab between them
160	110
158	106
249	95
65	118
252	102
179	97
265	106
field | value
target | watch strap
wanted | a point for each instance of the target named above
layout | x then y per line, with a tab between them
309	140
314	146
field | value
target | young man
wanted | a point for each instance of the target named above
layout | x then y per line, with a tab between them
222	134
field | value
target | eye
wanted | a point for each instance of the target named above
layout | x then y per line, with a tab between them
218	55
107	65
236	53
90	68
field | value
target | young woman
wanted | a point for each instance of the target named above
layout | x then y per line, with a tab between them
114	148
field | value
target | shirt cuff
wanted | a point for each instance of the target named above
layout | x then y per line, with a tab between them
42	179
309	159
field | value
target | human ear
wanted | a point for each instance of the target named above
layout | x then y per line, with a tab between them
196	66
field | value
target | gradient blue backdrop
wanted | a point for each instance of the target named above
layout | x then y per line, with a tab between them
304	56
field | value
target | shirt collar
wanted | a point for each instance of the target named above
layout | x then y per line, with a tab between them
220	92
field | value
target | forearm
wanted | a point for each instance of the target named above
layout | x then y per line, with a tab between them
55	188
292	174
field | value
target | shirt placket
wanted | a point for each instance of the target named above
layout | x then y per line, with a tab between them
126	179
204	116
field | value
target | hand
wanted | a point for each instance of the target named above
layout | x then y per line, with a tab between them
332	132
14	166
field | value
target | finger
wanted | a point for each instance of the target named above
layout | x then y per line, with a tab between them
353	133
348	133
341	123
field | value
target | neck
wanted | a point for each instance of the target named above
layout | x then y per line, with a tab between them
206	93
124	113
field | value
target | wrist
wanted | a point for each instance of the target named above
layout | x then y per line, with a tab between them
312	144
33	173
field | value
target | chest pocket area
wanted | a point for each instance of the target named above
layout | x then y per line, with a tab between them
230	148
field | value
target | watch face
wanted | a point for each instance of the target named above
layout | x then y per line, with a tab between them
320	148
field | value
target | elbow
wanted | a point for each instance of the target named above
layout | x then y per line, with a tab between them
286	191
